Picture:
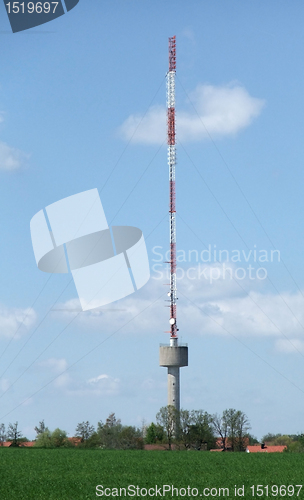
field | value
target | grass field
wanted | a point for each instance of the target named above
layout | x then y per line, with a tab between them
74	474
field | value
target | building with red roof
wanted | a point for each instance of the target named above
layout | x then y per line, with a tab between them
262	448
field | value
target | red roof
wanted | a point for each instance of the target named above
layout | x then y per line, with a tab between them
219	442
267	449
25	444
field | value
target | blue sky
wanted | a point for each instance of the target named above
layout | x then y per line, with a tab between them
70	94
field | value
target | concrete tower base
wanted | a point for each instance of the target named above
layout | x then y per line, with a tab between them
173	387
173	357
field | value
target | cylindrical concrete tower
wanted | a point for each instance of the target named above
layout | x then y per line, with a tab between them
173	357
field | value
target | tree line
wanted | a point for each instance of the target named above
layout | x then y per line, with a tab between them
199	430
195	429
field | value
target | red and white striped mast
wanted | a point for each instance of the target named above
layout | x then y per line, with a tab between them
171	162
172	356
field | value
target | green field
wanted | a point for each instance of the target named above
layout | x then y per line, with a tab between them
74	474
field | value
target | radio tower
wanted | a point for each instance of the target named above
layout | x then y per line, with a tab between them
172	356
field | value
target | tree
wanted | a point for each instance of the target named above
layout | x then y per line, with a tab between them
195	429
251	439
270	437
242	427
168	418
112	421
150	437
108	433
59	439
56	439
284	440
43	436
185	424
2	434
231	417
44	440
13	434
201	430
278	439
232	427
154	434
296	446
40	429
130	438
84	430
220	427
114	435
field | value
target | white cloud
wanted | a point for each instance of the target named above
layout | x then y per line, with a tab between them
14	320
284	346
95	380
219	111
57	366
104	384
225	309
10	158
148	129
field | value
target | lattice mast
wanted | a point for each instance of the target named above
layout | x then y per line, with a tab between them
172	356
171	162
